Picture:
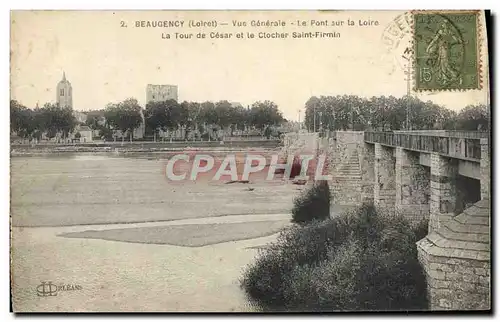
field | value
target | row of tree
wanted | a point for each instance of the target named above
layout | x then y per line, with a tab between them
49	119
128	115
390	113
321	113
171	115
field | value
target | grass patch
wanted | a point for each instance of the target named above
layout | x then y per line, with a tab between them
357	261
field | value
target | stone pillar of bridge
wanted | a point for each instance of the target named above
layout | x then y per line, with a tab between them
457	263
443	202
384	190
455	255
412	186
485	169
367	173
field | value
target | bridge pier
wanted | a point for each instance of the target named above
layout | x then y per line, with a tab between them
444	172
412	186
485	169
455	255
384	190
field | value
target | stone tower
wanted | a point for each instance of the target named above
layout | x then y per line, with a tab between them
64	95
160	93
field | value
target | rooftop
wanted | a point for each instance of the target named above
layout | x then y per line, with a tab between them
84	128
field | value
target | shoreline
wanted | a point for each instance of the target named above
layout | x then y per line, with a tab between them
131	148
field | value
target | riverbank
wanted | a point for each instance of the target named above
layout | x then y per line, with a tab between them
165	246
140	147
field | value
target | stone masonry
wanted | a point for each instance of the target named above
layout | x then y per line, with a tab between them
412	186
485	169
302	142
346	180
384	190
367	173
346	187
456	260
455	255
443	190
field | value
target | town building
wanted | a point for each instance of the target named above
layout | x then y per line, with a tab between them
80	116
86	133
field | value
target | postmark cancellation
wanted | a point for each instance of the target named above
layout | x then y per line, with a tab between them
446	50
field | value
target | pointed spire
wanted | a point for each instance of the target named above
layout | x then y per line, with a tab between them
64	76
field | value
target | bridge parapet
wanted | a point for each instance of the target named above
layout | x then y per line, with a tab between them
447	133
460	146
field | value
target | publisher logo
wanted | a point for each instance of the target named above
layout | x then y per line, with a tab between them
50	289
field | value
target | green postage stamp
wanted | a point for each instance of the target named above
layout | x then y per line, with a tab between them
446	50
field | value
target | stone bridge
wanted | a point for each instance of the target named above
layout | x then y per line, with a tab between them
442	176
425	176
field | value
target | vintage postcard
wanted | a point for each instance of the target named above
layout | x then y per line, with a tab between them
250	161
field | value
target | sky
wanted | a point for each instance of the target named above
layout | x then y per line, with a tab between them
106	62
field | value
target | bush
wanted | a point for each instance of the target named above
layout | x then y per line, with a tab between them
421	229
356	261
265	279
314	204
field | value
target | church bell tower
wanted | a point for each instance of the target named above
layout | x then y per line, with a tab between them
64	95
